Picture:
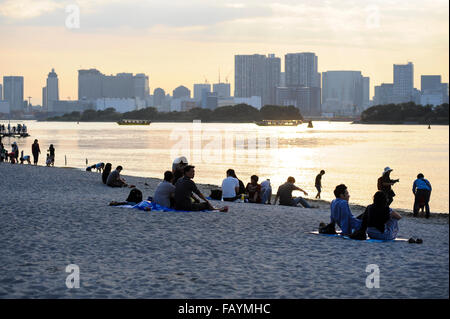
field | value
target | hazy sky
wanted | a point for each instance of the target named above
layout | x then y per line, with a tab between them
187	41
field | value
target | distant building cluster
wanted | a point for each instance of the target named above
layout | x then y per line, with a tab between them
432	91
258	81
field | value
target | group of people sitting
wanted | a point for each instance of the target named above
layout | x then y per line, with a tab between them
378	220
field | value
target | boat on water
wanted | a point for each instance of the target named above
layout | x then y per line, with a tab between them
278	122
134	122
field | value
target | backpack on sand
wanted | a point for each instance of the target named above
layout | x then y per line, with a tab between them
135	196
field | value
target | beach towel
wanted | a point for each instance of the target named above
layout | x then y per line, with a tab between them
367	240
146	205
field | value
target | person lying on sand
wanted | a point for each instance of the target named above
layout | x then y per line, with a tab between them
184	189
341	213
285	194
114	179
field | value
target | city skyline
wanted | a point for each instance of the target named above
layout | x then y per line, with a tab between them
175	51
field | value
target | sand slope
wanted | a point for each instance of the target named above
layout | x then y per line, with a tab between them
52	217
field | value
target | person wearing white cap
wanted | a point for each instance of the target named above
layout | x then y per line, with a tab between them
177	168
385	184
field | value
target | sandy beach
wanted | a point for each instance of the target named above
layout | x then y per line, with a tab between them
53	217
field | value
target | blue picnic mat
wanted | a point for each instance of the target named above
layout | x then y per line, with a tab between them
145	204
367	240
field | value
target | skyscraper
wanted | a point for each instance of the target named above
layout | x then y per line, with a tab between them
403	83
199	88
1	92
384	94
433	91
301	69
13	91
257	75
159	96
52	91
222	89
343	92
93	85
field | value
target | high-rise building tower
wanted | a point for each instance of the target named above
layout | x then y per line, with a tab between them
13	92
222	90
52	92
403	83
1	92
257	75
301	69
199	88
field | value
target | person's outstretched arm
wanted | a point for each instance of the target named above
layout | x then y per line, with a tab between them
301	190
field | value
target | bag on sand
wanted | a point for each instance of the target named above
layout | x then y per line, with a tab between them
135	196
327	229
216	194
359	234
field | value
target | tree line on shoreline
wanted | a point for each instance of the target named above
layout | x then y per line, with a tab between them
406	113
233	113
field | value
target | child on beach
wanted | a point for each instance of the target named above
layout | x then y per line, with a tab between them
318	183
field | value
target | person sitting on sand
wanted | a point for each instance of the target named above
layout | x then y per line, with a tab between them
284	193
318	183
380	220
106	172
164	193
230	187
266	192
184	189
253	189
114	179
422	191
341	213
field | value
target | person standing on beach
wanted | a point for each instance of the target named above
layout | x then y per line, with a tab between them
15	151
341	213
285	194
35	150
385	184
184	189
51	151
422	192
318	183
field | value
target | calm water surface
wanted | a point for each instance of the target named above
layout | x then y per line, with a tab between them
351	154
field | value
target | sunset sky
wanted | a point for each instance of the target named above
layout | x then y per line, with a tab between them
185	42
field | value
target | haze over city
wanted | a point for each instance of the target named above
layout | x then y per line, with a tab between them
186	42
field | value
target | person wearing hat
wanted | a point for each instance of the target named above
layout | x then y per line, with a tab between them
385	184
178	166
